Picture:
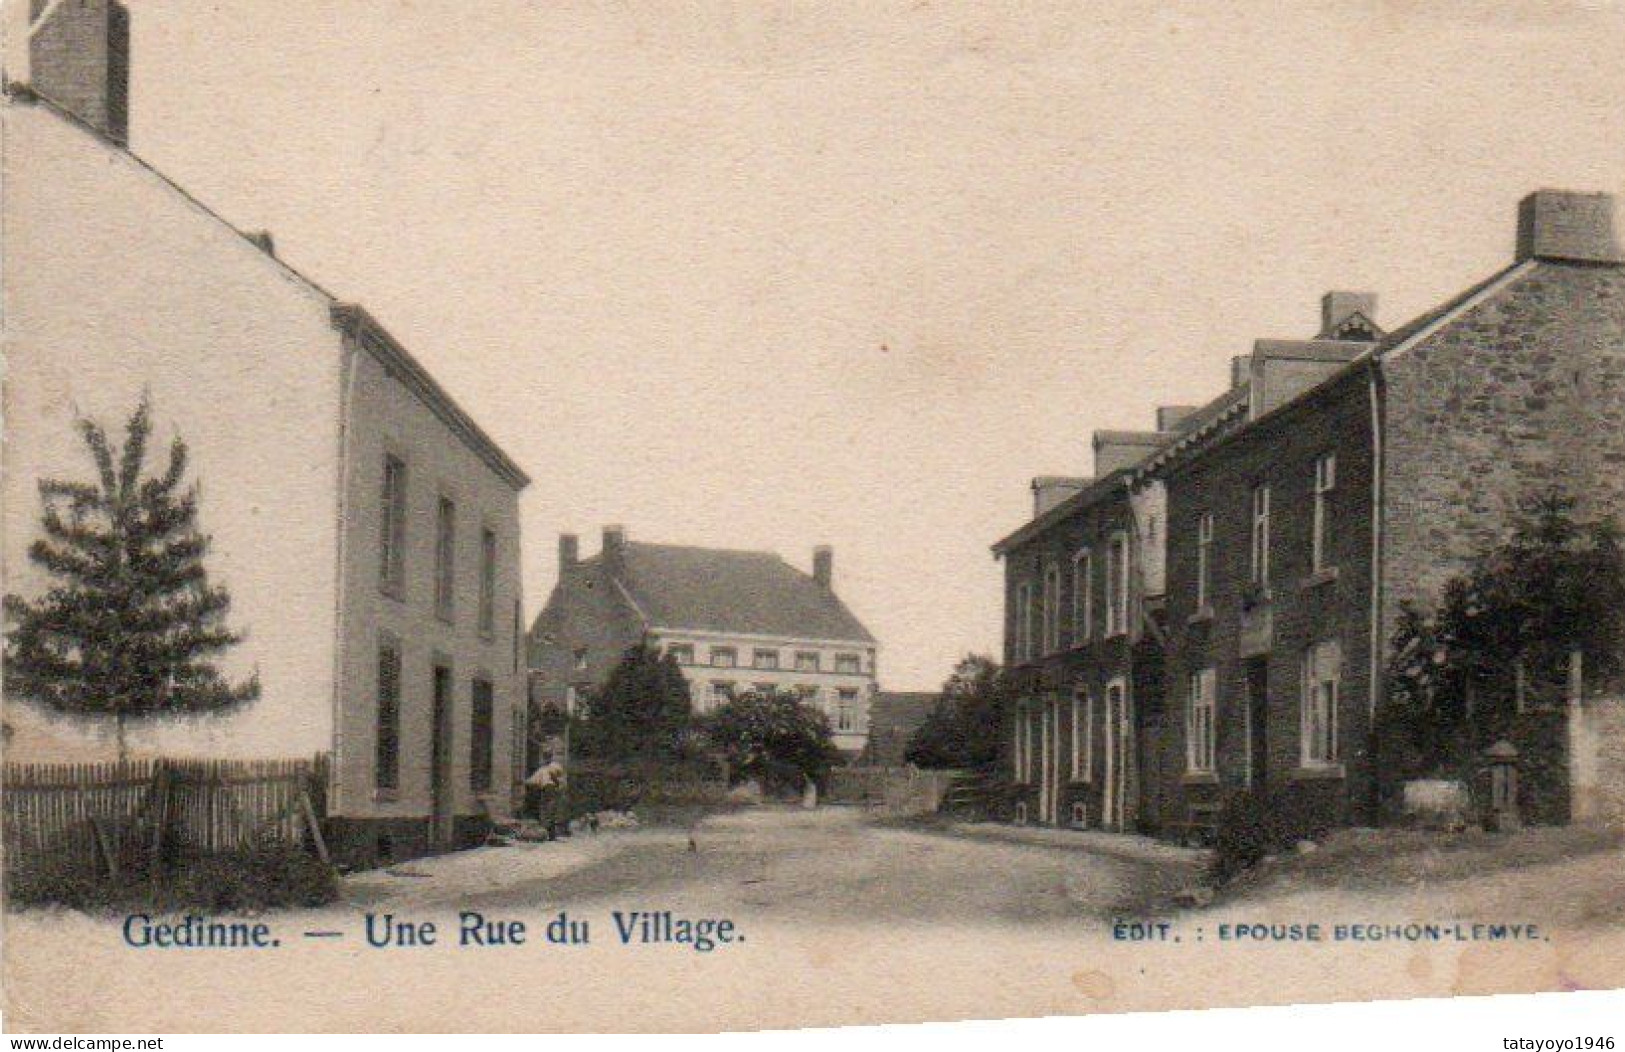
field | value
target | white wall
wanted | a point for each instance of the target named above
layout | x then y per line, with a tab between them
115	284
386	417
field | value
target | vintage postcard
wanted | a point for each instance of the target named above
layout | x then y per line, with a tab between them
713	515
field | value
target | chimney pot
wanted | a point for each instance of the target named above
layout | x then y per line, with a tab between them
1050	490
1241	370
614	548
1338	306
824	566
263	239
1567	226
79	58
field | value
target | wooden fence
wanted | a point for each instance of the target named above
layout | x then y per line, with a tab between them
109	815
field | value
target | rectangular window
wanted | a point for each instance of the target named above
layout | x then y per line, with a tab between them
387	758
1204	561
1023	745
392	525
518	634
479	744
1200	722
1083	606
724	657
682	653
1083	735
764	659
846	710
807	661
1117	585
1325	482
488	582
445	559
1024	622
848	664
1322	670
721	692
1052	608
1261	536
579	659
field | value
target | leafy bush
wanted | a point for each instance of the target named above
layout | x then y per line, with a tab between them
266	876
1248	829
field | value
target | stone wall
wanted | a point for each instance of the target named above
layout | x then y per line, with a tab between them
1302	607
1523	391
1596	735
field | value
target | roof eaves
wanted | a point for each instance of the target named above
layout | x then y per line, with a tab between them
356	324
1102	487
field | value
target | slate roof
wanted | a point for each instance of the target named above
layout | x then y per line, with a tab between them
739	592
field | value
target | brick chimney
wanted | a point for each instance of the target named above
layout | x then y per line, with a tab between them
1050	490
1170	416
569	551
1338	310
824	566
1568	227
614	549
79	58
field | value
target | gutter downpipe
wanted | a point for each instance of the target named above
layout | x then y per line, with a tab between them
1375	685
351	354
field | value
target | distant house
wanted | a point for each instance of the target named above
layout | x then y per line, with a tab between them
366	527
735	621
894	716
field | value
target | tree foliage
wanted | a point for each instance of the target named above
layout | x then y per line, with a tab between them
129	627
963	730
773	737
1510	622
642	712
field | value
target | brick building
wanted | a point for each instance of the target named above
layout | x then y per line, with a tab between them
366	527
735	620
1273	533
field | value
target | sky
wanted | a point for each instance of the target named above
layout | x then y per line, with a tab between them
775	274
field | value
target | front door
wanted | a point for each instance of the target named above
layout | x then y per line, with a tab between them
1050	793
1114	789
1258	723
440	801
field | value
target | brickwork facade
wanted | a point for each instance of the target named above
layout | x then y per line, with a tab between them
1338	479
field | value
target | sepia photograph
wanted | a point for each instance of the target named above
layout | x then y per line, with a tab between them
735	515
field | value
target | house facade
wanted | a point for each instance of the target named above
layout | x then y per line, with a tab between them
366	528
734	620
1278	530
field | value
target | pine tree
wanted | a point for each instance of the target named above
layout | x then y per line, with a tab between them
127	630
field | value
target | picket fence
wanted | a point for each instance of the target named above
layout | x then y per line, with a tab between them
108	815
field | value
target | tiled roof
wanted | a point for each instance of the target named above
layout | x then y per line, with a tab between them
748	593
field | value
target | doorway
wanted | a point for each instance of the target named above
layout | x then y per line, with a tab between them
1114	791
1258	723
440	788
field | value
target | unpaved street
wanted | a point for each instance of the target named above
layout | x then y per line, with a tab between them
829	865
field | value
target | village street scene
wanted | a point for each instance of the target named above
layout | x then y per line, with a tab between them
1320	651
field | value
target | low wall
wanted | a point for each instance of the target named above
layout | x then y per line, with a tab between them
1596	740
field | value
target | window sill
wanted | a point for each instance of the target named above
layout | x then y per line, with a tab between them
1203	614
1199	778
1318	578
385	796
1319	772
1081	783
